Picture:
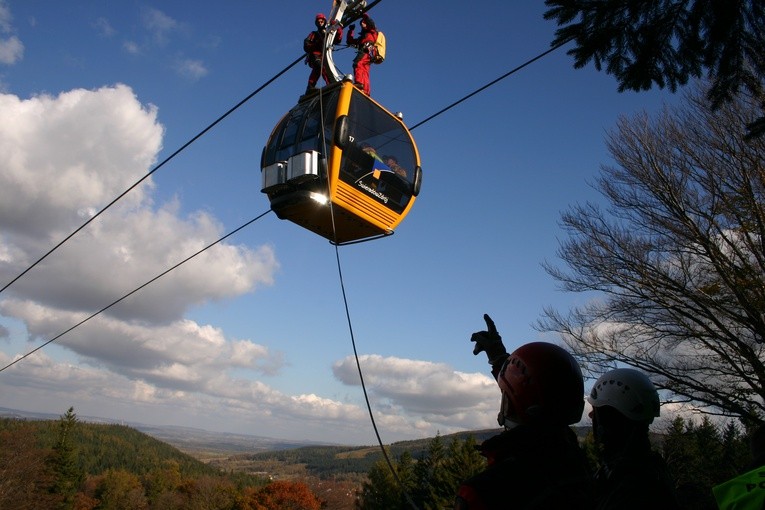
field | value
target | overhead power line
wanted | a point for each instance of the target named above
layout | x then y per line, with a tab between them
481	89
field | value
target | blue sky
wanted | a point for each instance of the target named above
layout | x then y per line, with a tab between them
252	336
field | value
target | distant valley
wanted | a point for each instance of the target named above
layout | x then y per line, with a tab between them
197	442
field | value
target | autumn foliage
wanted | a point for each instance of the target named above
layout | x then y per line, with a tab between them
63	465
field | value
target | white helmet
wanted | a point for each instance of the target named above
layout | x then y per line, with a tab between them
629	391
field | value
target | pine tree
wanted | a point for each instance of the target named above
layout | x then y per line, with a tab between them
380	491
66	471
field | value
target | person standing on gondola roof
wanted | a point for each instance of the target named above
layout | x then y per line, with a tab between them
313	45
366	54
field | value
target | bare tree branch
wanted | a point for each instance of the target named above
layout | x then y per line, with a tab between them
676	258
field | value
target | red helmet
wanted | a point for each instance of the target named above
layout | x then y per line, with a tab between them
320	16
542	384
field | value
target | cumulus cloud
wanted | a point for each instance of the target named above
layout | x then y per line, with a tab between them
63	155
433	393
62	158
245	404
180	355
97	144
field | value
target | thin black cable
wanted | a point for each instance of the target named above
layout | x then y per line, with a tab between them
512	71
134	291
364	388
392	469
345	297
139	181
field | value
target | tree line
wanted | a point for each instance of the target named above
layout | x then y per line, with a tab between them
699	455
69	465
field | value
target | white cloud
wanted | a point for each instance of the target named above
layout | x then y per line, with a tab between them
131	47
433	392
5	17
64	157
191	69
159	24
11	50
104	28
97	144
63	154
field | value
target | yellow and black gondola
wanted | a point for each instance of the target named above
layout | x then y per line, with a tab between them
341	165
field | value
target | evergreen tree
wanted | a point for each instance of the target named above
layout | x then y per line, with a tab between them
406	479
380	491
462	462
429	483
666	42
64	464
735	452
700	456
428	474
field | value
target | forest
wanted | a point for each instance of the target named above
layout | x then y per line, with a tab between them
68	464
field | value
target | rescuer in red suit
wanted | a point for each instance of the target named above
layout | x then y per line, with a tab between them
365	43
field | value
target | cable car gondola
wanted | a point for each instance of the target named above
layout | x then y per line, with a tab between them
361	186
338	163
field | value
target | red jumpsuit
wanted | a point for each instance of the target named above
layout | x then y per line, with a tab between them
365	42
313	45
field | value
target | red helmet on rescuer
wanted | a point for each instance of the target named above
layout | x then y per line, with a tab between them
319	17
541	384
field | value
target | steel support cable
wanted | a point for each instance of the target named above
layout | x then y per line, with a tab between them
392	469
160	165
493	82
347	309
160	275
364	389
350	322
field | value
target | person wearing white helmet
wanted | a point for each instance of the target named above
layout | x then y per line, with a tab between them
631	475
536	462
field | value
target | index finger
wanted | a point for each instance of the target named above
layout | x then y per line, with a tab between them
489	323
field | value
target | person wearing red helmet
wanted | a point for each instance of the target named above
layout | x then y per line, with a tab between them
313	45
536	462
365	55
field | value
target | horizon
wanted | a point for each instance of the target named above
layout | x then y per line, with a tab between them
252	336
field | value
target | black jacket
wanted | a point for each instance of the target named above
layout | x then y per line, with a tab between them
530	468
635	479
